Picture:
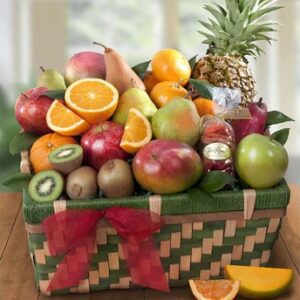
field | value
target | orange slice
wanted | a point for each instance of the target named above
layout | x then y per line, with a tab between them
92	99
214	289
63	121
260	282
137	132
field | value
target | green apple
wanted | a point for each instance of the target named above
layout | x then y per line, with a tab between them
133	98
260	161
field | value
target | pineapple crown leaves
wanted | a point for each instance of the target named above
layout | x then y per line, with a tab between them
236	29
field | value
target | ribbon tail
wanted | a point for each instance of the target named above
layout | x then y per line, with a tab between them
144	265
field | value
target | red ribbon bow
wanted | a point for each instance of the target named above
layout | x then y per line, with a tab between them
73	234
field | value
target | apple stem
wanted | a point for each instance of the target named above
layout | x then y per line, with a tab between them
260	100
42	68
132	82
106	49
24	95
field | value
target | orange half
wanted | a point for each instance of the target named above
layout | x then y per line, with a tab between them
92	99
65	122
221	289
137	132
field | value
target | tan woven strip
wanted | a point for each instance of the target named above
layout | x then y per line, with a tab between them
175	240
40	256
237	252
111	231
225	259
124	282
218	237
101	236
33	228
43	285
215	268
59	206
204	274
165	248
120	251
155	204
113	261
103	269
241	223
25	164
207	246
249	243
265	256
230	228
198	226
196	255
174	272
84	286
187	230
94	277
185	263
273	225
249	203
46	248
255	262
260	235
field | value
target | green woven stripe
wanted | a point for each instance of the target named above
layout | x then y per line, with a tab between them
179	204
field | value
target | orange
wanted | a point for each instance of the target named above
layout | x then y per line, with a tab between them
63	121
205	106
150	81
166	91
137	132
92	99
260	282
171	65
221	289
43	146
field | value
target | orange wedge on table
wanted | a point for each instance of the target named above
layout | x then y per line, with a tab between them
137	132
65	122
92	99
260	282
221	289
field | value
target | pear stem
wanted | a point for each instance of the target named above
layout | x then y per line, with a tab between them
106	49
42	68
24	95
132	82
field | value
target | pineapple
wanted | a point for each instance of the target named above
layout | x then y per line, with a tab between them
232	35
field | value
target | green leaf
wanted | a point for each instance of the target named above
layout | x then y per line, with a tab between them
217	15
141	69
199	195
221	9
55	94
276	117
192	61
281	136
233	9
215	180
17	181
203	87
260	13
22	141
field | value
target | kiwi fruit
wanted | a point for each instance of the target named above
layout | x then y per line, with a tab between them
66	158
115	179
46	186
82	183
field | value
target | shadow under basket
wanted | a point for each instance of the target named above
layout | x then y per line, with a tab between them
199	238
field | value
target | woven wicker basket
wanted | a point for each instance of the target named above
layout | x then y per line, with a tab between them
199	237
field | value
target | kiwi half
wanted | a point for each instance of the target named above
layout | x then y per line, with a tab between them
46	186
66	158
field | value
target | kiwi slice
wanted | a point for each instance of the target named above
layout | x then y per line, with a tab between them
66	158
46	186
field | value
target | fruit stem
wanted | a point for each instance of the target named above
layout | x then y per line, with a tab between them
132	82
42	68
260	100
106	49
24	95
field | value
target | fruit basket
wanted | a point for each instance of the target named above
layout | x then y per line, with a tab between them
199	238
156	174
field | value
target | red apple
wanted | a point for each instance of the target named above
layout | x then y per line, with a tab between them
102	143
167	166
31	110
85	65
259	113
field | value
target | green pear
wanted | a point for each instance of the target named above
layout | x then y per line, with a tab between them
133	98
177	120
51	79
